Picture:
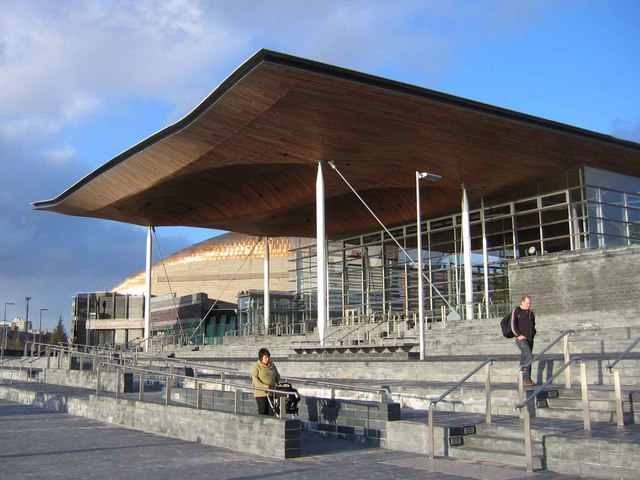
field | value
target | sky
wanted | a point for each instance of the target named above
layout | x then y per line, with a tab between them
82	81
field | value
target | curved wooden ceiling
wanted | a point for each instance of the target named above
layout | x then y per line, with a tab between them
245	160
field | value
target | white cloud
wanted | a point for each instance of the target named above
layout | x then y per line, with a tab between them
60	155
60	65
62	62
79	105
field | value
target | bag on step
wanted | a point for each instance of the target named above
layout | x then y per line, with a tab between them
505	326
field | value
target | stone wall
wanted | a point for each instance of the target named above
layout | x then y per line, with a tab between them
350	419
593	457
580	281
245	433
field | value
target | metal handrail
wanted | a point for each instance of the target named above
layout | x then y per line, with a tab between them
200	366
564	335
134	357
617	388
432	403
238	388
368	327
460	382
72	351
524	402
127	359
348	334
383	392
611	365
545	349
222	382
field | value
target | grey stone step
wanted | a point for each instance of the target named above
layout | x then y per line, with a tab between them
507	458
571	413
501	444
596	392
594	334
594	405
604	452
475	344
514	428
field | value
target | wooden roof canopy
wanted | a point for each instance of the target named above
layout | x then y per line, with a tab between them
245	159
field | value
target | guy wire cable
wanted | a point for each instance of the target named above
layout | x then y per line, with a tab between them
166	274
333	165
227	285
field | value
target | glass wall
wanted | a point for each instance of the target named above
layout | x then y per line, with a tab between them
375	275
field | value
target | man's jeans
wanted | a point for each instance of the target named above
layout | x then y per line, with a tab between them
526	355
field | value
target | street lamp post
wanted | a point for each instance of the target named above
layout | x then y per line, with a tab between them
26	317
26	324
4	324
433	178
40	329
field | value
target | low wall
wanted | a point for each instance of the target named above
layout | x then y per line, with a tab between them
47	401
357	420
599	457
87	379
259	435
413	437
349	419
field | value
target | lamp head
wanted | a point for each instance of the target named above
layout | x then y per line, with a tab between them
432	177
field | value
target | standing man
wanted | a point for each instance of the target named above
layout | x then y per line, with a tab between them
523	324
264	374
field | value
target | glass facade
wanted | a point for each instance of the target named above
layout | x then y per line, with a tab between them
373	277
283	313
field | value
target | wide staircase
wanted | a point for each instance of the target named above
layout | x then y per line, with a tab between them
606	448
334	383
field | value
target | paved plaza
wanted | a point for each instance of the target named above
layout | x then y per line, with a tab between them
42	444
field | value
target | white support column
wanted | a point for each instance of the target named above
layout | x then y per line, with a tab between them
322	255
485	259
466	255
419	268
147	294
267	300
432	177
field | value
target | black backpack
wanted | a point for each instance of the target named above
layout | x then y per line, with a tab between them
505	326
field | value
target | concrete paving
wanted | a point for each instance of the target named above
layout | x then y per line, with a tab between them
37	443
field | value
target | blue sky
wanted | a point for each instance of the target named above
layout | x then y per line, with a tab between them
81	81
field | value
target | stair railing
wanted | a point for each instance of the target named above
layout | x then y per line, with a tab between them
564	336
383	393
170	377
616	381
487	386
238	388
586	418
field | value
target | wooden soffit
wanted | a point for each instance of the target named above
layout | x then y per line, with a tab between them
246	158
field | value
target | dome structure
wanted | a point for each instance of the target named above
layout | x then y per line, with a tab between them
220	267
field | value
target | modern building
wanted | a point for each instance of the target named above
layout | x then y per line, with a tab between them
226	274
110	318
288	147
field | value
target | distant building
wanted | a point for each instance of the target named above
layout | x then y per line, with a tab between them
228	268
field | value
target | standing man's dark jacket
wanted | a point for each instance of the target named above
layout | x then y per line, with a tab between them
523	322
